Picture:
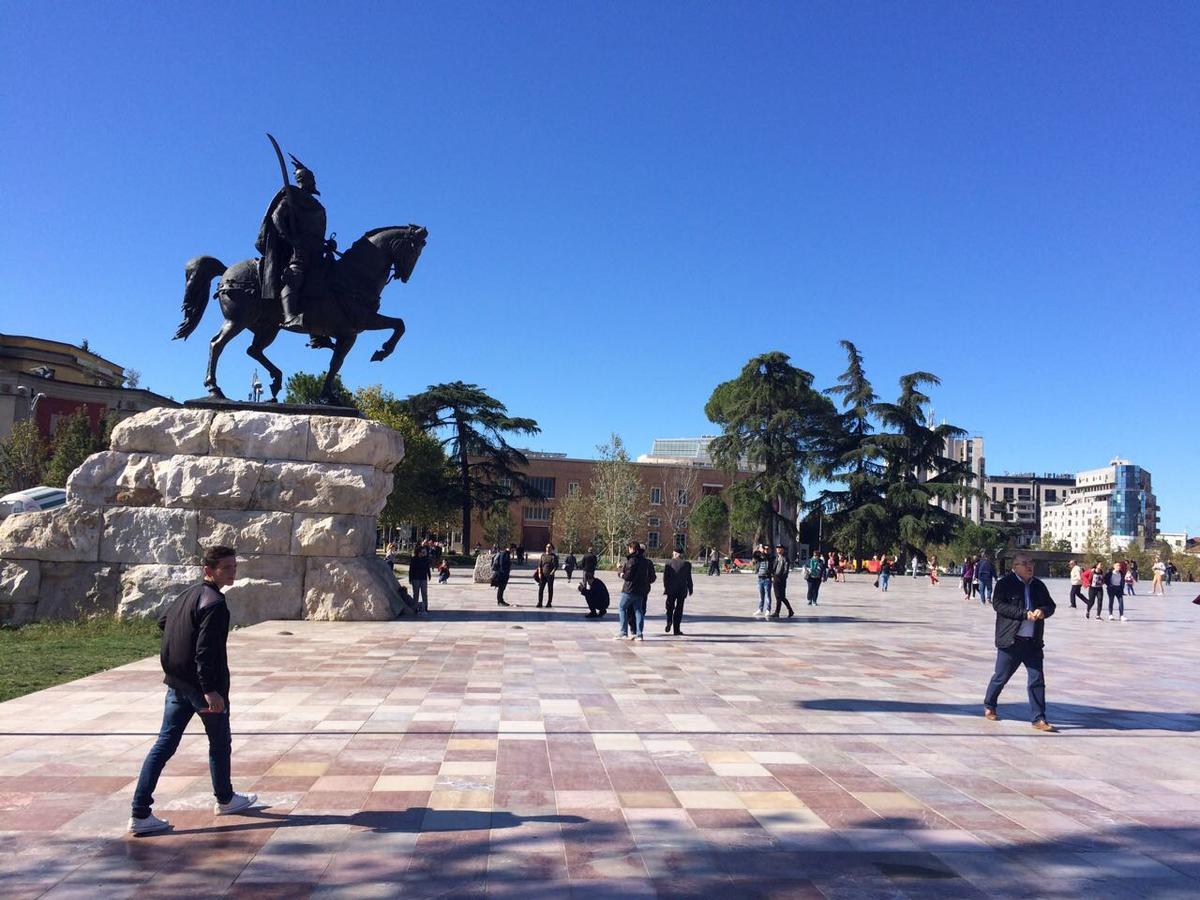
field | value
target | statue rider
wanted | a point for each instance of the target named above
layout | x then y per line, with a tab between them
292	243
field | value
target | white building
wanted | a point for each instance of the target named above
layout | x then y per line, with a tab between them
1116	499
968	451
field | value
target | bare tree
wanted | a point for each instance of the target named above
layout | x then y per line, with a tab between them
571	523
617	508
679	498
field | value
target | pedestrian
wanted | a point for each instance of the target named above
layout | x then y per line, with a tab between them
968	576
714	562
569	565
637	574
595	594
885	573
1085	582
677	585
443	571
1115	582
418	578
933	572
547	566
589	563
812	579
1130	578
196	672
985	574
1076	584
501	570
1096	591
780	567
762	559
913	564
1022	603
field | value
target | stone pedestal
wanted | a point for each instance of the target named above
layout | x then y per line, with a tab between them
295	495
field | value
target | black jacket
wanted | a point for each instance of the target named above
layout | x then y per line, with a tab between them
780	568
596	595
418	569
677	578
569	562
589	562
548	564
1008	599
637	573
502	563
194	629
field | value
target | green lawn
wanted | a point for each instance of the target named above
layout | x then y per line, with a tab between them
49	653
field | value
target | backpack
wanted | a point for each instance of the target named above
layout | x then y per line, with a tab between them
813	570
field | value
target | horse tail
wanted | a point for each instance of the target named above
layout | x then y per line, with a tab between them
200	271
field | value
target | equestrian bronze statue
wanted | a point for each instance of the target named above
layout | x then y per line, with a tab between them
300	285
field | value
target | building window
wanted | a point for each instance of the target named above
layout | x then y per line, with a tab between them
1008	494
572	488
537	514
655	496
653	521
543	486
652	540
680	542
1051	495
1023	493
681	497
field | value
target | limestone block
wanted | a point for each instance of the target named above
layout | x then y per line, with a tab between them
322	488
483	568
148	590
267	587
140	535
246	532
164	430
354	442
69	533
259	435
19	580
71	590
316	535
207	482
350	589
115	478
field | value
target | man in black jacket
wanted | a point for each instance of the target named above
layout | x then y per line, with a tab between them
677	585
501	569
547	566
1022	605
193	657
588	564
637	574
596	595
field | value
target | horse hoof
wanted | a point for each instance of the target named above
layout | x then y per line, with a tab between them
215	393
378	355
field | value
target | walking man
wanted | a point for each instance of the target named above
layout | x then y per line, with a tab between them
780	567
677	585
547	566
812	577
714	561
637	574
418	577
569	565
501	569
1022	605
588	564
1077	585
196	669
985	572
763	560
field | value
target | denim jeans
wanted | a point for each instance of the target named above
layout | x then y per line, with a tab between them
985	590
633	613
177	712
1118	594
1024	652
764	593
883	580
420	591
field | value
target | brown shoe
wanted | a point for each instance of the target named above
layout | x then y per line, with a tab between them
990	715
1043	725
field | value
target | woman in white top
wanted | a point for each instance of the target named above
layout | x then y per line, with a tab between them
1156	586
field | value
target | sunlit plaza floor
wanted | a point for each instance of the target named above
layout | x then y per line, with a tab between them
525	752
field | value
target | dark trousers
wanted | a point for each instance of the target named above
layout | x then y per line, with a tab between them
1118	594
568	570
675	611
1024	652
781	599
501	584
1077	591
588	576
814	586
546	585
177	712
1095	598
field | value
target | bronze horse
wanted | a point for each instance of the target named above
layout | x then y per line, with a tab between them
345	304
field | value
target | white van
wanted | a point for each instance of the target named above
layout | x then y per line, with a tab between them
32	500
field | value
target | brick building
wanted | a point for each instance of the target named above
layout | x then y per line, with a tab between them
670	491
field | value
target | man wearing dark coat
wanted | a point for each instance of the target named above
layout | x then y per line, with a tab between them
677	585
291	240
588	564
1022	605
501	570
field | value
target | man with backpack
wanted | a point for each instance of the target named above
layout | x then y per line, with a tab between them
813	572
637	574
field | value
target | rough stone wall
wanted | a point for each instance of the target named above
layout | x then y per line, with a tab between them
297	496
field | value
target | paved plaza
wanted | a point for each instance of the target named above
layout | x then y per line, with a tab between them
526	753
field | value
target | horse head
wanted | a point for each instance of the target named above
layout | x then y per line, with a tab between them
403	245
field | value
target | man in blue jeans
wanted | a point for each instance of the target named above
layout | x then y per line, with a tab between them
637	574
1022	605
193	657
985	573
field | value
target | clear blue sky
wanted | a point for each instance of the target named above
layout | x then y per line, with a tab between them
628	200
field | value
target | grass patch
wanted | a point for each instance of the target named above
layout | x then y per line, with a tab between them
44	654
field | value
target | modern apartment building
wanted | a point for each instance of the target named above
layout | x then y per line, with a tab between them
1117	498
1021	499
970	452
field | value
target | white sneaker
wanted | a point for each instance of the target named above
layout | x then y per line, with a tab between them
758	613
236	803
1111	617
1123	619
619	637
149	825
